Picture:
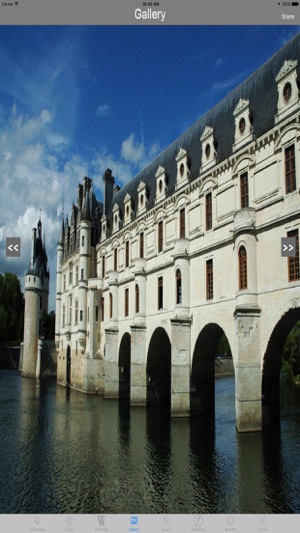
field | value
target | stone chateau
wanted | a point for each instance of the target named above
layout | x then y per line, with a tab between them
189	250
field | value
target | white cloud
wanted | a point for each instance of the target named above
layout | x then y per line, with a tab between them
104	111
136	153
39	170
219	62
132	150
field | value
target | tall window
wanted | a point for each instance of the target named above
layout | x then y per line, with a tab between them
110	305
102	308
160	236
244	190
76	311
142	245
290	169
293	262
160	292
242	268
76	274
209	280
137	299
82	240
178	287
70	273
115	259
97	313
70	309
64	282
126	302
127	254
208	210
103	266
63	316
182	223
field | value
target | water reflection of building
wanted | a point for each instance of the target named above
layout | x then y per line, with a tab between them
189	249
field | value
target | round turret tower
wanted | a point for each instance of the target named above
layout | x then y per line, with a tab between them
36	302
84	263
59	260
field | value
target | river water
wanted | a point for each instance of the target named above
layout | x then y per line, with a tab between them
65	452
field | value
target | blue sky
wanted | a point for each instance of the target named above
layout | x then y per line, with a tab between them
76	100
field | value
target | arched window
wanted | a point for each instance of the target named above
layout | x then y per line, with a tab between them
242	268
110	305
178	287
137	299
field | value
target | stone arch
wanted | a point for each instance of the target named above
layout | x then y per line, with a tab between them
124	362
272	363
203	368
294	129
159	368
242	163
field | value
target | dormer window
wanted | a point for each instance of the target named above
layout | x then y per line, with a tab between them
128	209
243	124
161	184
207	151
209	154
288	93
142	197
183	167
104	227
116	218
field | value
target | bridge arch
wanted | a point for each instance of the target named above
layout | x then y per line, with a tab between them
272	363
124	362
203	368
158	368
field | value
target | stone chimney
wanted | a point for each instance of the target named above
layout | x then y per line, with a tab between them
109	181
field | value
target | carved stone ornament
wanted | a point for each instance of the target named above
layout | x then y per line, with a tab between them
207	133
182	153
160	171
141	186
288	66
242	104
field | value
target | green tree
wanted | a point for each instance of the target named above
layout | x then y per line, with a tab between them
291	353
11	309
223	346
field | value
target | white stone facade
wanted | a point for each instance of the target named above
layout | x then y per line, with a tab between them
181	258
